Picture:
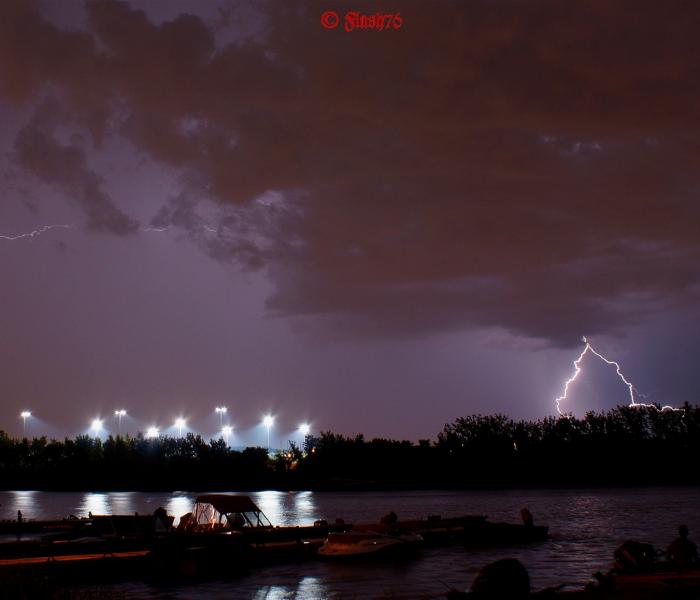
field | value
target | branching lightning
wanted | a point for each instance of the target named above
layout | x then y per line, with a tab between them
35	233
630	386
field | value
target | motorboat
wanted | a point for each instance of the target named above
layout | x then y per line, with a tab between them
225	534
224	512
356	544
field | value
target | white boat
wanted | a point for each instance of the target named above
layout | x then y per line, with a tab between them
351	544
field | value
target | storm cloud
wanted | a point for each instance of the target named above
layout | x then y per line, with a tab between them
531	166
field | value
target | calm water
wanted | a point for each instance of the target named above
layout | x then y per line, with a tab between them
587	525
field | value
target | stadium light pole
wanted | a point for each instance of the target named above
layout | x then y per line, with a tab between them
25	414
119	414
268	421
221	411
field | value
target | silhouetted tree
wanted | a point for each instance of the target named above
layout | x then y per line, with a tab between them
624	446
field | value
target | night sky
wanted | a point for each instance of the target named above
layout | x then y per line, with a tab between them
376	232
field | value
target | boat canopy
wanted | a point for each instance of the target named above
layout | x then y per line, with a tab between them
228	511
227	503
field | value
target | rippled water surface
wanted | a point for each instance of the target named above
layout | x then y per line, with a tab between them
586	526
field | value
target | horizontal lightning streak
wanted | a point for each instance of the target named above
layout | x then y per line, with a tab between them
45	228
163	229
35	233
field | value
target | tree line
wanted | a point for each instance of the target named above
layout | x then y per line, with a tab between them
623	446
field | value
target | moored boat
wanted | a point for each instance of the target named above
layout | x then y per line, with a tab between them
226	534
471	530
44	526
365	544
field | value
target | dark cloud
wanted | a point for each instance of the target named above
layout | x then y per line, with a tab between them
528	166
241	235
64	165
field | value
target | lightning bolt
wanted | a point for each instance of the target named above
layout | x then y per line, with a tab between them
45	228
35	233
618	370
163	229
154	229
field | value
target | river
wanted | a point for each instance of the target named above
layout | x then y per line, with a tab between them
586	527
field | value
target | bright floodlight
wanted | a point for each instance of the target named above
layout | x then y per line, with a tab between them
119	414
268	421
25	414
180	423
152	432
96	425
304	429
221	411
226	431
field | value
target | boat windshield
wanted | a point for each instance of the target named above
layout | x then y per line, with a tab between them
253	519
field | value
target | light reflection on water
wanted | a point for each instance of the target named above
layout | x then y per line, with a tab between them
25	500
96	504
305	507
287	508
271	503
121	503
586	526
107	503
308	588
311	587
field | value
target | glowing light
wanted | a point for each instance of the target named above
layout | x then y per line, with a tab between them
304	429
25	414
152	432
181	424
35	233
618	370
96	426
226	432
268	421
221	411
119	414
